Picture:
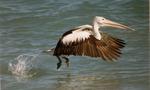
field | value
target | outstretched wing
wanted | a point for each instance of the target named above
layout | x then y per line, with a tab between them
82	42
109	47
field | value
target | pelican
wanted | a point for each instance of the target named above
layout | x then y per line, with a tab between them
89	40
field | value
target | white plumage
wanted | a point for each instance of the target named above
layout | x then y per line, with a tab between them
77	35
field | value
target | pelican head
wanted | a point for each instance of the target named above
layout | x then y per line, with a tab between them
103	22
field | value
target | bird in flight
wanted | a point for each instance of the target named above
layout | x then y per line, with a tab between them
89	40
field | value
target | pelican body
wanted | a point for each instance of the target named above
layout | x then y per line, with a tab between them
89	40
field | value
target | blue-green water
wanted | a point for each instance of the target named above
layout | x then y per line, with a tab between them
29	26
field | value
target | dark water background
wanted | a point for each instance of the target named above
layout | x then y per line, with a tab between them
29	26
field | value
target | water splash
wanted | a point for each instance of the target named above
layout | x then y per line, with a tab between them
23	66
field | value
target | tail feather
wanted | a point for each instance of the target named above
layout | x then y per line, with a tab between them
51	50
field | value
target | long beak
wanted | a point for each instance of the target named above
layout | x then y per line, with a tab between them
116	25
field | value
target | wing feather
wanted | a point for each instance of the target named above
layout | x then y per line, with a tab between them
108	48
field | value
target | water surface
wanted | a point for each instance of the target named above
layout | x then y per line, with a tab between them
29	26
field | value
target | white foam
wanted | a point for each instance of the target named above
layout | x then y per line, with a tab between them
22	65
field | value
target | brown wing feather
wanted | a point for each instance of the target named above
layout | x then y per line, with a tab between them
108	48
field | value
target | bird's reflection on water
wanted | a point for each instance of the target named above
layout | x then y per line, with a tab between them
86	82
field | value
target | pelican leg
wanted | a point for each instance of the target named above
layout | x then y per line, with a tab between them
59	63
67	60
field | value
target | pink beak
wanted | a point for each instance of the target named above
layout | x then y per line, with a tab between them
110	23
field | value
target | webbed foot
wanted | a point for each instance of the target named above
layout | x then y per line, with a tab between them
66	61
